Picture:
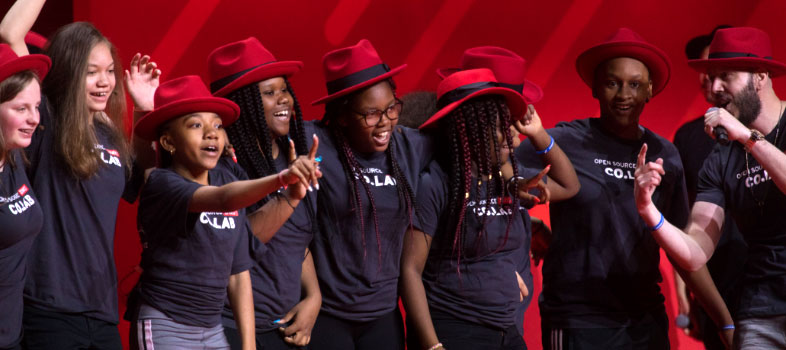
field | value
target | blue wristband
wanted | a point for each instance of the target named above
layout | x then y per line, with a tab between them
551	145
659	224
727	327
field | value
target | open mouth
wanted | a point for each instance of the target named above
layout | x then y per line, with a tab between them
27	132
381	138
623	108
283	115
211	150
99	94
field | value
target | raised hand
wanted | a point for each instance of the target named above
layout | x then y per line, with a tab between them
648	177
303	171
141	79
531	123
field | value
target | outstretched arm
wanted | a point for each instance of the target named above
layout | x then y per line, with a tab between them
142	79
17	22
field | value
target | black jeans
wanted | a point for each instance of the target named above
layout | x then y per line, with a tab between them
48	330
648	332
270	340
384	333
457	334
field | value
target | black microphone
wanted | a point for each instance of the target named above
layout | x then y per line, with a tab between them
721	135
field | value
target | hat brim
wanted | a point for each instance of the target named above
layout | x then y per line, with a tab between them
656	61
147	126
39	64
515	102
263	72
362	85
532	92
775	68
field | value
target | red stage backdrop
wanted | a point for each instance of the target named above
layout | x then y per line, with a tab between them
427	35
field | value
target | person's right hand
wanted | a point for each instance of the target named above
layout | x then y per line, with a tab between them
303	171
530	124
523	290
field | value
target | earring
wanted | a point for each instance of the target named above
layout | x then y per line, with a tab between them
172	152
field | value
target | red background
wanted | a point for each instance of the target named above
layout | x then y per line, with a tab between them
427	35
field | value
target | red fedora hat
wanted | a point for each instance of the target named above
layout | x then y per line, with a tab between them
240	63
626	43
509	68
11	64
352	68
466	84
181	96
740	48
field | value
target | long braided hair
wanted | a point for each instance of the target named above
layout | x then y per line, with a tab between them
251	138
475	122
352	171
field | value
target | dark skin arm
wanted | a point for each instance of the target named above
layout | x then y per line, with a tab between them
306	311
563	182
268	219
413	294
700	283
242	302
240	194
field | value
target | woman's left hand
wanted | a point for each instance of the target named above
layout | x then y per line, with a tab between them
141	79
523	290
304	315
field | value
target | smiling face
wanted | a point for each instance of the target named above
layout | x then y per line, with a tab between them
197	140
364	138
278	105
19	116
100	77
622	87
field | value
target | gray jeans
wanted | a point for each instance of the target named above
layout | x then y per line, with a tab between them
156	331
761	333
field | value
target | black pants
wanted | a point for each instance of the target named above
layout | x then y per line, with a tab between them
384	333
48	330
649	332
270	340
463	335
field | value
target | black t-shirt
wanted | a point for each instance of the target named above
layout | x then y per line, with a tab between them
275	276
358	272
188	257
728	261
602	266
726	180
21	220
71	264
486	291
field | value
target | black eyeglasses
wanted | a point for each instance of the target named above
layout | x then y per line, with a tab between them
373	117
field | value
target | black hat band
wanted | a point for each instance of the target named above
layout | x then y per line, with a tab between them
463	91
735	55
356	78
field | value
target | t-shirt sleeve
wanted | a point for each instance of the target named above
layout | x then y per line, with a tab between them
242	257
165	200
420	146
431	200
710	185
679	209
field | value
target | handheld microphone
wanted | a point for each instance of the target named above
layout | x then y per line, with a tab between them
721	135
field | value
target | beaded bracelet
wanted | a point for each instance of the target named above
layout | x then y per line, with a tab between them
281	181
660	223
727	327
551	145
435	346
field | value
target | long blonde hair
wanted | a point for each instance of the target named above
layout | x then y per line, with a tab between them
75	137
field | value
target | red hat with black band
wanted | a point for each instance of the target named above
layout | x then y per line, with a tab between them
740	48
179	97
240	63
11	64
353	68
509	68
467	84
626	43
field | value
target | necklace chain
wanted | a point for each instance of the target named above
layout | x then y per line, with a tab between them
761	202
